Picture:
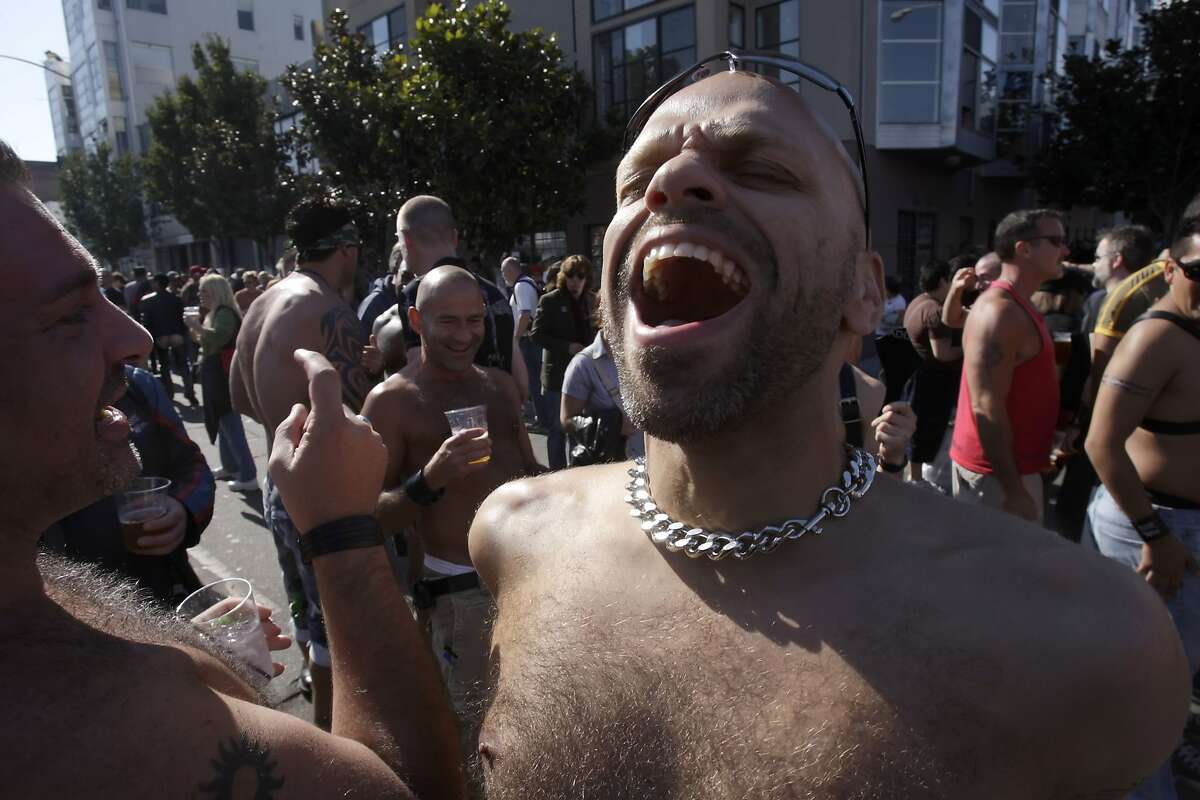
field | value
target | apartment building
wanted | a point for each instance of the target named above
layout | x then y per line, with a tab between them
125	53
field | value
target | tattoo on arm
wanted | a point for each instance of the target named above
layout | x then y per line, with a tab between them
1135	389
992	354
236	759
342	333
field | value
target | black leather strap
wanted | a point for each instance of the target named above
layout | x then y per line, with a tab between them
347	533
848	405
417	490
427	590
1151	528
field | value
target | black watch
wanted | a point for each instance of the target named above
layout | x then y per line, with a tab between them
347	533
417	490
1151	528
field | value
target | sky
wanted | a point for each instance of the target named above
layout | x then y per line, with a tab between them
28	28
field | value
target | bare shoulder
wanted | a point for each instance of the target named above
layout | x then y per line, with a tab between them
525	522
1067	633
391	396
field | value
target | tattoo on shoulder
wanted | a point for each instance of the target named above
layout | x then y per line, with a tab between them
1134	389
343	337
242	762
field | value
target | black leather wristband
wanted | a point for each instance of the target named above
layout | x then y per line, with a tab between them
893	468
1151	528
347	533
417	490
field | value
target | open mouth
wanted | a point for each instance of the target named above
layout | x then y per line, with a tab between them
683	282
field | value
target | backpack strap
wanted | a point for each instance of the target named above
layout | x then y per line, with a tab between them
1182	322
848	405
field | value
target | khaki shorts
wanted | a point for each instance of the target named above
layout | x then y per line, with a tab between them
460	633
984	490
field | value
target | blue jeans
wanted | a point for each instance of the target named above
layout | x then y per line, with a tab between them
533	365
556	439
299	580
231	444
1115	538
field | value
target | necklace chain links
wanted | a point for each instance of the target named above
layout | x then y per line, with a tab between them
857	477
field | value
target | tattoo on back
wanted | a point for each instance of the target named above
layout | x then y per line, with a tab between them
242	762
1135	389
343	347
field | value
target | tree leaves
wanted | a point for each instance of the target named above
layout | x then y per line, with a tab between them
102	200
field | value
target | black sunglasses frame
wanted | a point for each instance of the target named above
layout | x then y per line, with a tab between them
1190	269
638	119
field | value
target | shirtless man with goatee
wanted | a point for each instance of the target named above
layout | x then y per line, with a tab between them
436	479
915	648
305	310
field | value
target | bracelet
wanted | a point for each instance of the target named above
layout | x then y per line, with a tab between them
893	468
347	533
417	490
1151	528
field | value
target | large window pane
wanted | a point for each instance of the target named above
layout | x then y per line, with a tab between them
379	34
908	103
737	26
630	62
397	26
1017	86
776	24
640	39
902	19
245	15
678	30
112	71
1018	18
676	62
968	91
603	9
910	61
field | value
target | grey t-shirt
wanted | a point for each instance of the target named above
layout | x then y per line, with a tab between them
592	377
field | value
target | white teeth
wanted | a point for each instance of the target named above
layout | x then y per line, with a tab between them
685	250
670	323
724	267
715	258
701	253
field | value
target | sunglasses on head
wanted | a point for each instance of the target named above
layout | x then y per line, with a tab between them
735	61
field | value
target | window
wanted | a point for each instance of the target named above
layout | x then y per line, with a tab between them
910	61
1017	27
245	15
977	86
69	109
104	5
244	64
155	6
152	65
737	26
112	71
777	28
631	62
550	244
298	27
143	135
120	135
386	31
915	236
603	9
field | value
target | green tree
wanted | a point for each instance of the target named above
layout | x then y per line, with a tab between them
102	199
1124	132
484	117
215	160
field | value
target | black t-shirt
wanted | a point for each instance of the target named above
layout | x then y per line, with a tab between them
499	325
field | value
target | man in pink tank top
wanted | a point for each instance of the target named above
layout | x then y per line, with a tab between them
1008	398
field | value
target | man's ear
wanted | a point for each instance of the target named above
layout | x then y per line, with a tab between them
864	308
414	318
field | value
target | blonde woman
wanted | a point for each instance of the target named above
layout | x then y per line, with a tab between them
218	335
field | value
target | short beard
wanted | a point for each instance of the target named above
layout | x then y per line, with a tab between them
116	469
781	351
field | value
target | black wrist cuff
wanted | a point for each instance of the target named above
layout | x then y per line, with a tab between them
417	490
347	533
893	468
1151	528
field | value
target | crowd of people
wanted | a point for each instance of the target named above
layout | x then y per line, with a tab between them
650	614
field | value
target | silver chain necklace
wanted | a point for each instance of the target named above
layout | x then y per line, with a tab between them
857	478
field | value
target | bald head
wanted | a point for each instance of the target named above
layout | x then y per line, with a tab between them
987	268
444	282
426	232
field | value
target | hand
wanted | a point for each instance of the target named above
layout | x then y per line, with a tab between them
372	358
276	638
327	463
1021	504
1164	562
964	279
894	429
574	348
452	461
162	535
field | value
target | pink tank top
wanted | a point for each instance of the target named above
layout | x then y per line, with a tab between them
1032	406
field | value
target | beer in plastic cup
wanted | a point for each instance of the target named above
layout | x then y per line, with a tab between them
464	419
142	500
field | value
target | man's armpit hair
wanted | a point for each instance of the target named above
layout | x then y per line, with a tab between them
1135	389
342	333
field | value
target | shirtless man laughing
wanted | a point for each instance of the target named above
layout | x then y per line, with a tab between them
916	648
436	480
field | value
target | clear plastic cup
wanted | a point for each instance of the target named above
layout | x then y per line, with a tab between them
225	611
142	500
464	419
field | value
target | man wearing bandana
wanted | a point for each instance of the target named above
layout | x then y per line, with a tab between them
305	310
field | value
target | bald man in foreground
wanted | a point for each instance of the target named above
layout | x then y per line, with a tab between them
436	479
916	648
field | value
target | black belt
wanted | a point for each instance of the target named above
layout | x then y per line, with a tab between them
427	590
1172	502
